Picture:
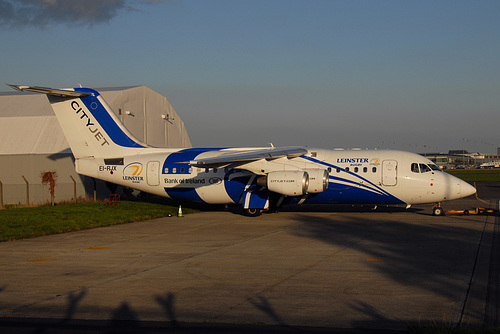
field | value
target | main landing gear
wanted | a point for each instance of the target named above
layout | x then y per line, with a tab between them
252	212
438	210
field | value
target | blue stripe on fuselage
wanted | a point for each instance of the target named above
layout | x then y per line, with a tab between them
184	194
237	181
173	161
335	194
351	191
376	187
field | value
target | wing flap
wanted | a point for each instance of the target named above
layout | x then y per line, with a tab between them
245	157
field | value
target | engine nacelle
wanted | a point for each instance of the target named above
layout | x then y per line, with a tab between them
318	180
289	183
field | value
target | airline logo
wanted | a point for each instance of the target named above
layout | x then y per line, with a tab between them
352	160
132	172
374	161
89	122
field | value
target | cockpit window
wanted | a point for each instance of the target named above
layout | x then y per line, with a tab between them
414	168
424	168
434	167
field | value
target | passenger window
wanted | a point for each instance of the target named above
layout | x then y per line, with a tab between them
174	170
347	169
424	168
166	170
374	169
365	169
414	168
215	170
356	169
329	169
338	169
183	170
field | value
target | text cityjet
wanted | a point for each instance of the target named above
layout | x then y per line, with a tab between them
97	134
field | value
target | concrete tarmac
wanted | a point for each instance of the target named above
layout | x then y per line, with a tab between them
350	269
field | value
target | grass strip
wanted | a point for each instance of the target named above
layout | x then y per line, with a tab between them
20	223
476	175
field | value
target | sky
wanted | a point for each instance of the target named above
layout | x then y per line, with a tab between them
421	76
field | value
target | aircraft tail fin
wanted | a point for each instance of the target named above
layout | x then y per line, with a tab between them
90	126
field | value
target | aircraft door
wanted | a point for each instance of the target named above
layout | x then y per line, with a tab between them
153	173
389	172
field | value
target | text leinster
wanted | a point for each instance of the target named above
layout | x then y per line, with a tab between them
352	160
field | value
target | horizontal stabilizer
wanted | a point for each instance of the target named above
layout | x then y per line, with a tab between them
268	154
51	91
91	128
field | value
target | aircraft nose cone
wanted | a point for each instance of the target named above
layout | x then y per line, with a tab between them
458	188
466	189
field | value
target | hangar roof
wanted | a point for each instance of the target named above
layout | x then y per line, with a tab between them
29	126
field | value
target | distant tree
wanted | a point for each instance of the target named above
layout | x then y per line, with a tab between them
50	179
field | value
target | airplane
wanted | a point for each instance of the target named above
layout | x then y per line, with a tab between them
259	179
491	164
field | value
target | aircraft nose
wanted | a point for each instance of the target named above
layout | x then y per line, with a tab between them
466	189
458	188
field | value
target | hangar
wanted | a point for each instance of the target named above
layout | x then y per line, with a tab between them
32	143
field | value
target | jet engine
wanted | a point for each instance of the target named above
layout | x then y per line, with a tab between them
289	183
318	180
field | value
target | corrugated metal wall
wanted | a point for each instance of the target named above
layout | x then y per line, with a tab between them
16	191
149	116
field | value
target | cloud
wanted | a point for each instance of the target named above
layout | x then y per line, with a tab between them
17	14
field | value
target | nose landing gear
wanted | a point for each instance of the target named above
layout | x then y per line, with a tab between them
438	210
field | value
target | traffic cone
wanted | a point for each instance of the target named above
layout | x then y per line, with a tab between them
179	213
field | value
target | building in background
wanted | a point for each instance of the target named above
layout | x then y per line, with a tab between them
462	159
32	142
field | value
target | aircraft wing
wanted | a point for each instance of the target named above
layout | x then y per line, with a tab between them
50	91
245	157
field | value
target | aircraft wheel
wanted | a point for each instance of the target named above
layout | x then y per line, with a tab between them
251	212
438	211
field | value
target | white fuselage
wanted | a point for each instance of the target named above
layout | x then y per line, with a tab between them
355	176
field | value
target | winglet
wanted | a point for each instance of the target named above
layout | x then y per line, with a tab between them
50	91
